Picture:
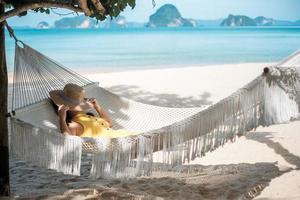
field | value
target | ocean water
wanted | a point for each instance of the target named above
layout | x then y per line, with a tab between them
123	49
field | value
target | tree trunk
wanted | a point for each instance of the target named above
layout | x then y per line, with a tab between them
4	159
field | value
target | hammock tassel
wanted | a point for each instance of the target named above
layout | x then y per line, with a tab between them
45	148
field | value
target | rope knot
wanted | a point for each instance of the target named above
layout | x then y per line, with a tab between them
11	31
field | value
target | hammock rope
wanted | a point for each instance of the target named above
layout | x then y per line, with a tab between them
167	136
32	83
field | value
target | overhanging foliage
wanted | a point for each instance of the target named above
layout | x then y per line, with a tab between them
98	9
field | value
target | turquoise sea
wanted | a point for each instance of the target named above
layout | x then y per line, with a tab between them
123	49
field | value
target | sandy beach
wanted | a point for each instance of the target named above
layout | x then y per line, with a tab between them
262	164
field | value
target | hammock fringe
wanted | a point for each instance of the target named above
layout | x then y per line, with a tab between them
46	148
182	142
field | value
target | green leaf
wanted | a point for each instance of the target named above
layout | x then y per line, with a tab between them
111	12
22	14
122	5
8	6
116	11
131	3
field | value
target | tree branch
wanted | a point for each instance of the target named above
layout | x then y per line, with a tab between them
23	8
99	7
84	6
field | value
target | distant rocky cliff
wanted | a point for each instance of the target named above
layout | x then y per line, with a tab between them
118	22
169	16
166	16
86	22
42	25
238	20
242	20
75	22
263	21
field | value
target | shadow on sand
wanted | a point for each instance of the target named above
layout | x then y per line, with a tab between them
266	138
164	99
233	181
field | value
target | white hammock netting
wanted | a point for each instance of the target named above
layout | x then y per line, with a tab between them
180	134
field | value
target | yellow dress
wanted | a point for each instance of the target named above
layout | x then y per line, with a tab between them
98	127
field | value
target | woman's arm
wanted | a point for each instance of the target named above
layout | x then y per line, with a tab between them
101	112
62	113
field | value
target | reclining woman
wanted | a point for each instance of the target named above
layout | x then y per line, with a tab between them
74	114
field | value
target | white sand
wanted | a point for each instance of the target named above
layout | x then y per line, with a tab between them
191	85
263	164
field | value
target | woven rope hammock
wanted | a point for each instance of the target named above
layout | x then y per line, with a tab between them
178	134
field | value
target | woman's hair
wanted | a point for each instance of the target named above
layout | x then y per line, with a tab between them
69	116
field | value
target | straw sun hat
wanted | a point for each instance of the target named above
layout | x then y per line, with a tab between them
72	95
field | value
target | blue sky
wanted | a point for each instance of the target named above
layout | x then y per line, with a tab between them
197	9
